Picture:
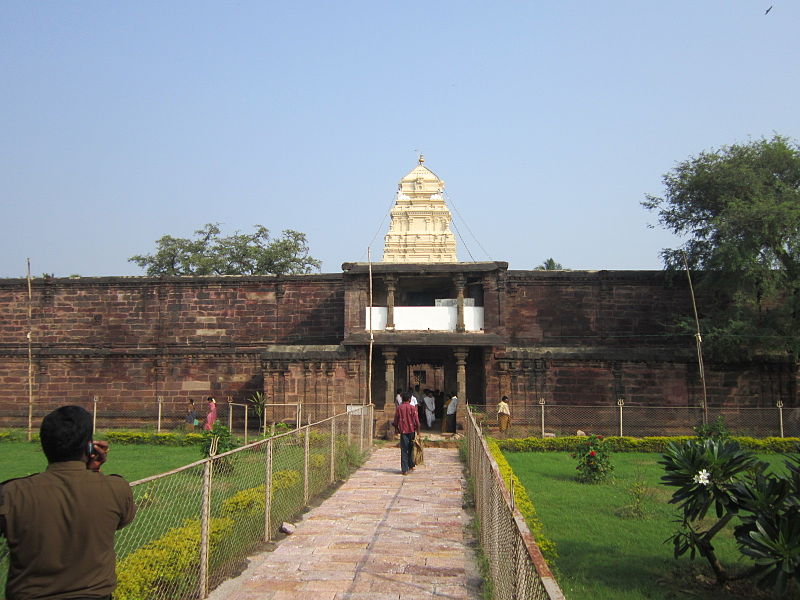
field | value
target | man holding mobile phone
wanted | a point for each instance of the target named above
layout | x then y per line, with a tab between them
60	523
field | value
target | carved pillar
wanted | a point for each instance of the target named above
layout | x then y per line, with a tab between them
389	355
461	373
459	282
391	286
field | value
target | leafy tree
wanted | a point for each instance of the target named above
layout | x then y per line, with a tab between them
738	209
207	253
550	265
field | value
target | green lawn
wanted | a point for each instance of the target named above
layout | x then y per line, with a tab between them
604	553
18	459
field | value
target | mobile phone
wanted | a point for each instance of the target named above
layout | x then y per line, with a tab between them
90	450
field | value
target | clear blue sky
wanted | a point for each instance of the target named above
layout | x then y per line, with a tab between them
548	121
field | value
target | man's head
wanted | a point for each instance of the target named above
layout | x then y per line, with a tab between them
65	434
406	397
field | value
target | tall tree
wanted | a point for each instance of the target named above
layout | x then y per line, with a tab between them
208	253
738	210
550	265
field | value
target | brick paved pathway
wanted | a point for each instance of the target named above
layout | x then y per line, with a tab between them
381	536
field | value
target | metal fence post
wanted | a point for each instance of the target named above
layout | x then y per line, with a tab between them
333	449
96	399
230	416
245	424
620	403
205	526
305	465
541	403
160	402
780	414
268	494
361	431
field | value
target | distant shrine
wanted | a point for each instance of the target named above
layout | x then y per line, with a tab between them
420	227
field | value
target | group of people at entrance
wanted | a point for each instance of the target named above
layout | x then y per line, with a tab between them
431	407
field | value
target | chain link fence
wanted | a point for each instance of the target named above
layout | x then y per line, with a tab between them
196	525
516	565
639	421
176	415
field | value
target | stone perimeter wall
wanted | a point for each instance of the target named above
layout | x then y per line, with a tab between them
574	338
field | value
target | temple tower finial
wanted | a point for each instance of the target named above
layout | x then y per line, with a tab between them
420	227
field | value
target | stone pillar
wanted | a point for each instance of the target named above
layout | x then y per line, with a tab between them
389	355
459	282
391	286
461	373
461	385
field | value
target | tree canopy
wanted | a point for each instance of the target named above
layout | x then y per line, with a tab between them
738	210
550	265
208	253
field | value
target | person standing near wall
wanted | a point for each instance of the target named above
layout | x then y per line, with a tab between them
406	423
452	407
211	417
503	415
191	416
430	408
60	523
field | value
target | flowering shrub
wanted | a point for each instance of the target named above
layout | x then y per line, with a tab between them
594	460
718	477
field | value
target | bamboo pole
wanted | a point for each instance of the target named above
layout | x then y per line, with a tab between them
699	342
371	335
30	354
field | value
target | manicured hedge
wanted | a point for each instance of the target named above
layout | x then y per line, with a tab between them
168	566
645	444
524	504
153	439
251	500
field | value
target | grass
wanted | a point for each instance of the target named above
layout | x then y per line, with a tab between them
18	459
605	552
167	503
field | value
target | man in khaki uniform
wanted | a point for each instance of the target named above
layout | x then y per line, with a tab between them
60	524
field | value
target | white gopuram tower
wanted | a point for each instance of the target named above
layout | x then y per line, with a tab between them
420	227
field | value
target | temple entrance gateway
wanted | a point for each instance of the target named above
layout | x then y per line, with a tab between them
451	370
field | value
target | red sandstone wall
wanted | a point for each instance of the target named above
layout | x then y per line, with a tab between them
140	312
620	309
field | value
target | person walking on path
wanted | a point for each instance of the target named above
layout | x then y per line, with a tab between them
503	414
406	423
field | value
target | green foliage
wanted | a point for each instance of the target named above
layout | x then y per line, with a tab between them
739	210
639	497
702	471
167	566
226	440
594	459
550	265
258	400
153	439
523	503
718	473
239	254
713	431
645	444
12	435
252	500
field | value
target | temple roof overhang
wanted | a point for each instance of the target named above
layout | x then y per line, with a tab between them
382	268
425	338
